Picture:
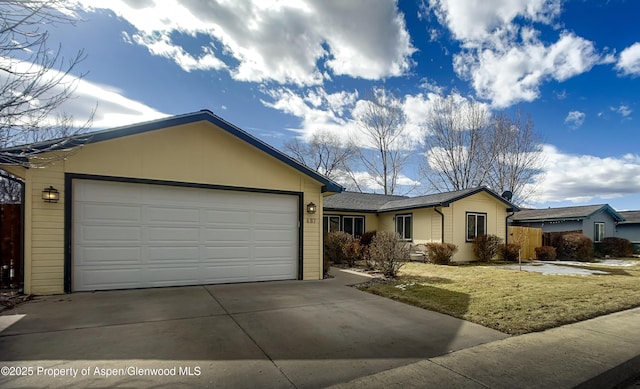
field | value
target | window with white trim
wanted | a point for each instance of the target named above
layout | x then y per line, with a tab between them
476	225
331	223
353	225
598	231
404	226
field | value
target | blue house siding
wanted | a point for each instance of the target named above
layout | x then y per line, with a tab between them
588	224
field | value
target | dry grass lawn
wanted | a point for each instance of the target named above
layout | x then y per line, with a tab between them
512	301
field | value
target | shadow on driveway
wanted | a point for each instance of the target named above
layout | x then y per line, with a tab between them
314	332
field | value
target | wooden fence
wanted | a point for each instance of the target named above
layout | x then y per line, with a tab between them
527	237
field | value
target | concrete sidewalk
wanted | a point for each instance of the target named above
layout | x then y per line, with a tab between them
599	353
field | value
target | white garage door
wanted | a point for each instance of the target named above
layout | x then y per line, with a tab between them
129	235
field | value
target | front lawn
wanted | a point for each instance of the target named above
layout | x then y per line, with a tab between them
512	301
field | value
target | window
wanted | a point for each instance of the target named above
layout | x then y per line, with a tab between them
403	226
331	223
598	233
476	225
353	225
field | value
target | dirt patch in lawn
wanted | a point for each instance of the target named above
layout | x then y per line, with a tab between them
512	301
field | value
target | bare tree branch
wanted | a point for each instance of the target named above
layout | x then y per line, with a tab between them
466	147
324	153
35	79
384	144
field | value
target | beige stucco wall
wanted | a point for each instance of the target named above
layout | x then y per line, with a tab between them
194	153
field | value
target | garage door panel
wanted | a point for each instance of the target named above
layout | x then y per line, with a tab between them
164	236
180	254
166	215
101	233
273	218
228	235
103	213
217	253
109	278
229	216
107	256
173	235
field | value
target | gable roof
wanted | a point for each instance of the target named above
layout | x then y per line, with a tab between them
19	154
370	202
564	213
630	217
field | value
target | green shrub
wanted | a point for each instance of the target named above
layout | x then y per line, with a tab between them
333	244
388	252
352	252
616	247
546	253
509	251
574	246
440	253
485	247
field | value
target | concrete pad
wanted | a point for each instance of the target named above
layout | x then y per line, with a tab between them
330	343
209	338
423	374
558	358
253	297
95	309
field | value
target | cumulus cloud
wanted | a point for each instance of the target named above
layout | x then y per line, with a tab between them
506	62
109	106
622	109
583	178
575	119
282	41
629	60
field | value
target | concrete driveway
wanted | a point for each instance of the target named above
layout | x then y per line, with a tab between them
303	334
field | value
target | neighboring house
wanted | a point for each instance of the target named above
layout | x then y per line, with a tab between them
453	217
630	228
189	199
595	221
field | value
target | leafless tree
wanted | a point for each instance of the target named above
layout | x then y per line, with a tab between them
325	153
518	159
34	76
456	153
34	82
466	146
384	144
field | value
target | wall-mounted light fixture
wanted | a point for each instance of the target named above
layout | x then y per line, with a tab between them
50	195
311	208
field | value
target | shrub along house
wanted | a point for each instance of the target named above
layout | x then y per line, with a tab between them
452	217
629	228
595	221
185	200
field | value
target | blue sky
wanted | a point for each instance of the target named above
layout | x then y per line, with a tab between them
281	69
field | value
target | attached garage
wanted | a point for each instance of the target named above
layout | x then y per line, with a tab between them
186	200
131	235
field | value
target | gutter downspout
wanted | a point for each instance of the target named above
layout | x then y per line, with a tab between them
441	223
506	225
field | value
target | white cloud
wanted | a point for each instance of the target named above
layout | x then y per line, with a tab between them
629	60
504	59
477	21
112	108
509	76
575	119
282	41
585	178
622	109
368	183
